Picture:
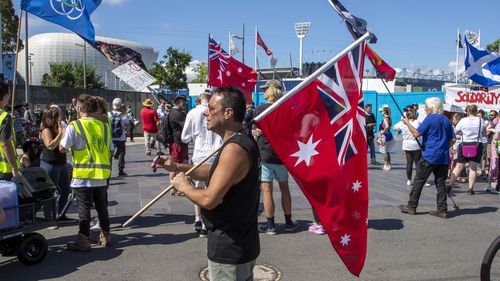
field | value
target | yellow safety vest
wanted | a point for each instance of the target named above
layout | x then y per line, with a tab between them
5	167
92	162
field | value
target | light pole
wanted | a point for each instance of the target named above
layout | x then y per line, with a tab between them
301	29
84	62
30	60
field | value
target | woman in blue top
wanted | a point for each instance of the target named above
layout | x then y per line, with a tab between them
386	139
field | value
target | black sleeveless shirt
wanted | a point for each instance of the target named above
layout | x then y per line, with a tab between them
233	237
53	157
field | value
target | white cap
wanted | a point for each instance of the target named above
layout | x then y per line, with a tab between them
117	103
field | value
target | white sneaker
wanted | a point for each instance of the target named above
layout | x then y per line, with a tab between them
427	184
408	182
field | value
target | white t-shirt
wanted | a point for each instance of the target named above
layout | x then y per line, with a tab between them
469	127
123	121
72	139
195	130
409	142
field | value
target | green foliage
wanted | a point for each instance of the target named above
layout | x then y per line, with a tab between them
67	74
494	47
10	23
202	70
172	71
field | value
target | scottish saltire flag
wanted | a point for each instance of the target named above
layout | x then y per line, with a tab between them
318	132
71	14
481	66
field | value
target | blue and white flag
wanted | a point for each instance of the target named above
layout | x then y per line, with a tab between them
71	14
481	66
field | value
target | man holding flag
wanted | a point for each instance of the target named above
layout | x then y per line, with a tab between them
230	202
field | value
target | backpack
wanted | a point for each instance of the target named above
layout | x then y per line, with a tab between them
116	125
165	132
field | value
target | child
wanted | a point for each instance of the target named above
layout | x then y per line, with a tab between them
31	154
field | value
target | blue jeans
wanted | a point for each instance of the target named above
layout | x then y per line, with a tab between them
59	174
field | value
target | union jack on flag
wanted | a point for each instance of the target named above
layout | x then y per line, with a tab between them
218	54
341	94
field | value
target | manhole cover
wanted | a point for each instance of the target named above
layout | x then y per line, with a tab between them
261	272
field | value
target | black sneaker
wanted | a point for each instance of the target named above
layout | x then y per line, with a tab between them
265	229
197	226
407	210
292	227
122	174
203	233
148	153
470	192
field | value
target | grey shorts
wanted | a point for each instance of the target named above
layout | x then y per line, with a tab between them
236	272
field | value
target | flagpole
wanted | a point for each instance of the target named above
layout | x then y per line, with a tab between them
456	66
229	43
243	44
208	60
311	77
26	62
255	61
15	64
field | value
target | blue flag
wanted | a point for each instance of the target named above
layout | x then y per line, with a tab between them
71	14
481	66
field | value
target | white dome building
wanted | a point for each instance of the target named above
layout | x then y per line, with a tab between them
60	47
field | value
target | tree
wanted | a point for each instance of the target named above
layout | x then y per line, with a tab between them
172	71
10	23
494	47
67	74
202	70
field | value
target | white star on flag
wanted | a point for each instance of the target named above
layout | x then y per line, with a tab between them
240	70
344	240
306	151
356	215
243	84
356	186
228	73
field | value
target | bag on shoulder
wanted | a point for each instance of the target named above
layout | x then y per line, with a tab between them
469	149
116	126
165	133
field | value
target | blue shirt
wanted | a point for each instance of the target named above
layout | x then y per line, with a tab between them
436	131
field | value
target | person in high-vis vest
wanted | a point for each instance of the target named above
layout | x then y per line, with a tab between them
90	144
9	165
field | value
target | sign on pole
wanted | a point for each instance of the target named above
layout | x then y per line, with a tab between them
463	95
134	76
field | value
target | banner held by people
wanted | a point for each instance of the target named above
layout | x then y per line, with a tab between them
73	15
481	66
224	70
462	95
318	131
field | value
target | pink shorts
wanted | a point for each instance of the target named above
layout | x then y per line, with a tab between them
178	152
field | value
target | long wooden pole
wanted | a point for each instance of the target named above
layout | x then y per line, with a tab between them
15	64
159	196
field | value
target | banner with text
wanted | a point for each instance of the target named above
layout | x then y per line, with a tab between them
463	95
134	76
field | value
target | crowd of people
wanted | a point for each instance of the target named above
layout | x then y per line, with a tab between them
226	189
450	146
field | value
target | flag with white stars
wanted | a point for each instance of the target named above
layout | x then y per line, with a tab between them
224	70
318	133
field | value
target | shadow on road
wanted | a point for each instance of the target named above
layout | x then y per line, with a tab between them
386	224
472	211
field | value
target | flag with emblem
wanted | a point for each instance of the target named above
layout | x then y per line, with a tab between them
384	70
73	15
224	70
318	131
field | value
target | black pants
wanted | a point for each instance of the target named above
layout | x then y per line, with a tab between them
84	198
371	146
424	170
131	134
120	154
412	156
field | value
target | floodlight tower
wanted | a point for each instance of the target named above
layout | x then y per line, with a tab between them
301	29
